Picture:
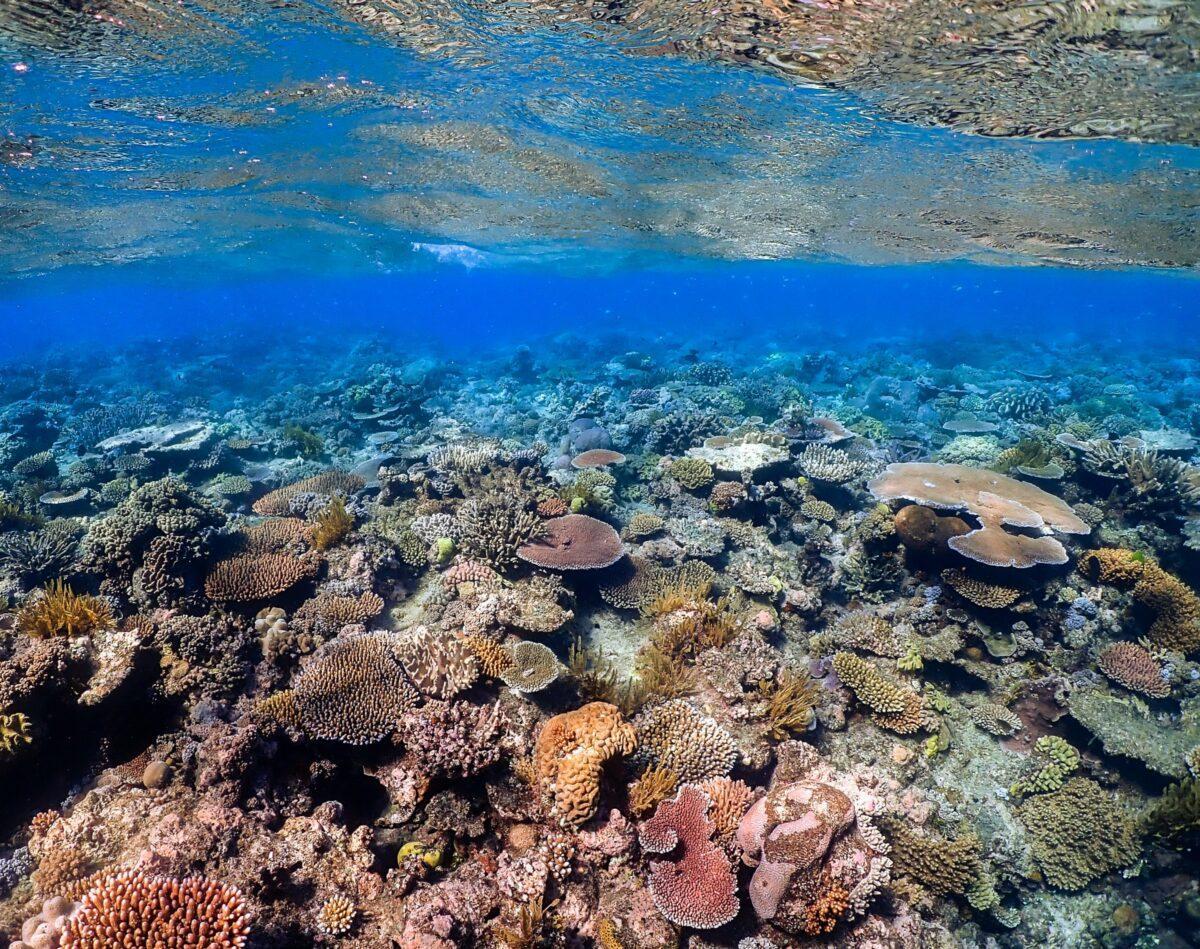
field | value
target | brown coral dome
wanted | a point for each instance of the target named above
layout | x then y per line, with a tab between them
925	531
574	542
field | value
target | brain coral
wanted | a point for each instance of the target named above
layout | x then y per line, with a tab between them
1130	665
676	736
131	910
1177	625
996	501
699	888
278	502
571	752
1078	833
247	578
354	691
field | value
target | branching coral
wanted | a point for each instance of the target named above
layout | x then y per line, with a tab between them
249	578
336	916
132	910
642	582
58	611
1132	666
1055	759
677	736
943	867
331	483
652	786
38	556
1177	623
454	738
895	707
1175	817
691	473
791	702
493	527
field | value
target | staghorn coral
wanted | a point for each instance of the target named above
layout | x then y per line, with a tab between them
58	611
698	889
570	754
330	483
1177	623
1078	833
249	578
1132	666
493	527
675	735
438	664
996	501
354	691
134	910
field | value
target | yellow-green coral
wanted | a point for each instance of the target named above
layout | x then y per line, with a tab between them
592	490
896	708
333	524
1175	817
1058	759
14	732
59	611
1078	833
692	473
791	704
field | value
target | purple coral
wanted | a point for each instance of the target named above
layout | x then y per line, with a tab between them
454	738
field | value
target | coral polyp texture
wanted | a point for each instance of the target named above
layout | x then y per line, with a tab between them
133	910
602	643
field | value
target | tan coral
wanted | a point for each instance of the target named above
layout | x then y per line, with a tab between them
1177	625
492	658
277	502
332	612
992	596
896	708
996	501
570	754
247	578
1131	666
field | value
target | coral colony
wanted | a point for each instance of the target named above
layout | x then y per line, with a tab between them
584	646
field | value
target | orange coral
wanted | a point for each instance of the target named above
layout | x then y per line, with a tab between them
570	754
493	660
828	907
59	611
1177	625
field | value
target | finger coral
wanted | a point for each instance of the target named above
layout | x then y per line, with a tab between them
1177	623
571	751
942	867
336	916
698	889
133	910
895	707
454	738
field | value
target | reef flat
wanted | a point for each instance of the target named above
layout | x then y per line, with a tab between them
600	641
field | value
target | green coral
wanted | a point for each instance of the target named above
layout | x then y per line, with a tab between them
444	549
1059	759
1078	833
1175	817
14	732
911	661
691	473
593	489
307	442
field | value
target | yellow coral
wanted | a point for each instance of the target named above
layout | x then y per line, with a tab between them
652	787
14	732
332	525
59	611
493	660
791	704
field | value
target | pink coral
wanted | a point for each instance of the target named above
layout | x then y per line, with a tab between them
1130	665
699	889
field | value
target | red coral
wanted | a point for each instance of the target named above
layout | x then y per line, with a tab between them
699	890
